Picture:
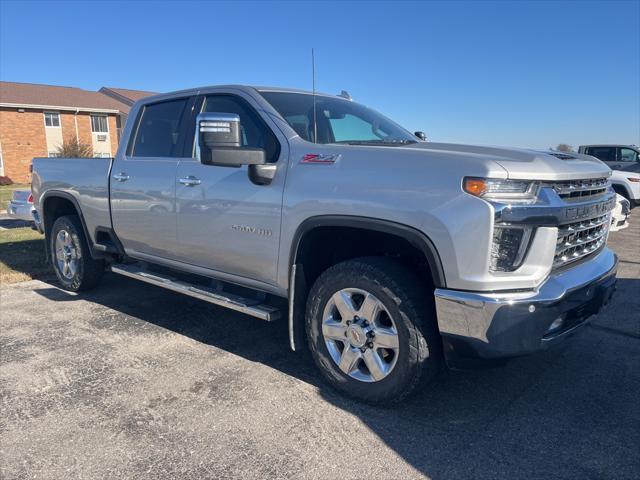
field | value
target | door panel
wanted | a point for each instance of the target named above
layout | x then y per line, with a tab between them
143	206
227	223
143	182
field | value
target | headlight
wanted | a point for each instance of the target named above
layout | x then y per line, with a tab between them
509	247
501	190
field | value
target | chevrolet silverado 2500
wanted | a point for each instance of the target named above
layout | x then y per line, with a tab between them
386	255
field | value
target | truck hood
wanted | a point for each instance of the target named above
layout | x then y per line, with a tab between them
526	164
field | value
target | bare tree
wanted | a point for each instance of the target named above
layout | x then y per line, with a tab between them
74	149
563	147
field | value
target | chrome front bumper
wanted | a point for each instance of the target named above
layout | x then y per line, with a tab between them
489	326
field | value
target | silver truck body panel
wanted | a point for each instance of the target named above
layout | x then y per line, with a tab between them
421	190
227	223
524	164
85	180
143	207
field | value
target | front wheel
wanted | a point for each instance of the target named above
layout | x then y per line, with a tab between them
69	252
371	329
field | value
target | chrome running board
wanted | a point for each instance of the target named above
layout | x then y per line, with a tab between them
220	298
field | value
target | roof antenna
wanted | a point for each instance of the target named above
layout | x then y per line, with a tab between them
313	77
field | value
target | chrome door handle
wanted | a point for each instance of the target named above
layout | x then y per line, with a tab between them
190	181
121	177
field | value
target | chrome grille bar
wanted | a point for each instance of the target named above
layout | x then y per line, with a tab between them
579	239
580	189
578	227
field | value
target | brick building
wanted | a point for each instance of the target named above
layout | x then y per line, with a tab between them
36	119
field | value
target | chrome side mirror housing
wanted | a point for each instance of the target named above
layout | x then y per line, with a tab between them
219	143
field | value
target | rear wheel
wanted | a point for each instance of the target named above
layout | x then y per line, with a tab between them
371	329
69	252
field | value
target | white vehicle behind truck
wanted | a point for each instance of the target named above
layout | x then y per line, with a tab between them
624	160
21	205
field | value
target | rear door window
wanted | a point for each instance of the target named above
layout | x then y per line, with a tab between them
159	132
606	154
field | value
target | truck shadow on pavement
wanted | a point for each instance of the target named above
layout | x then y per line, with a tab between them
569	412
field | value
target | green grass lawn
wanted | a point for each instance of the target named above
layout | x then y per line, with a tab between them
7	190
22	255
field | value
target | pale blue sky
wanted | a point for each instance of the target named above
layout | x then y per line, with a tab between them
530	74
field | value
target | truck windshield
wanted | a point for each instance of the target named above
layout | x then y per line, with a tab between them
338	120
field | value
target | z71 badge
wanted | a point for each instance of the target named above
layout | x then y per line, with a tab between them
312	158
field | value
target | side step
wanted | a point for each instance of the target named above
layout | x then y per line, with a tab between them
232	302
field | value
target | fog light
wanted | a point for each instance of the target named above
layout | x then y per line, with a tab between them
509	246
556	325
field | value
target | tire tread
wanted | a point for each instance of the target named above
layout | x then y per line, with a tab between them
92	269
412	299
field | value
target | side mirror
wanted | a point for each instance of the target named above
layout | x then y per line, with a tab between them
421	136
219	141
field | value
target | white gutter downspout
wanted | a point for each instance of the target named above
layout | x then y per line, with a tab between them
75	119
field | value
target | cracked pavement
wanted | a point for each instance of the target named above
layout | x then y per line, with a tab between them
132	381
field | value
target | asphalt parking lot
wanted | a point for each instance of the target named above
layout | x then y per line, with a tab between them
132	381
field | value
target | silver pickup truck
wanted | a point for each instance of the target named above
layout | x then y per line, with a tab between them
386	255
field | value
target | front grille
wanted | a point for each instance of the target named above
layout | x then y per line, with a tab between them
571	190
579	239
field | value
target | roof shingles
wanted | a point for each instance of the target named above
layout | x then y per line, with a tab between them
24	94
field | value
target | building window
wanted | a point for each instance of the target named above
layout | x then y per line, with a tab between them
52	119
99	124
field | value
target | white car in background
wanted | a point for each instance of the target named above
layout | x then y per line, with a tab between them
620	214
627	184
21	205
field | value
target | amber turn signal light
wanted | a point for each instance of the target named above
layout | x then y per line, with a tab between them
475	186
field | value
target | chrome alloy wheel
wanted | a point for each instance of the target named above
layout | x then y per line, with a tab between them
360	335
67	254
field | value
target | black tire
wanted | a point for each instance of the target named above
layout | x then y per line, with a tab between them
88	271
411	305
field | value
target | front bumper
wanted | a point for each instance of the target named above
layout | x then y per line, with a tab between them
491	326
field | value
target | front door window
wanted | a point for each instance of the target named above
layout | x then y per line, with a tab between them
628	155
